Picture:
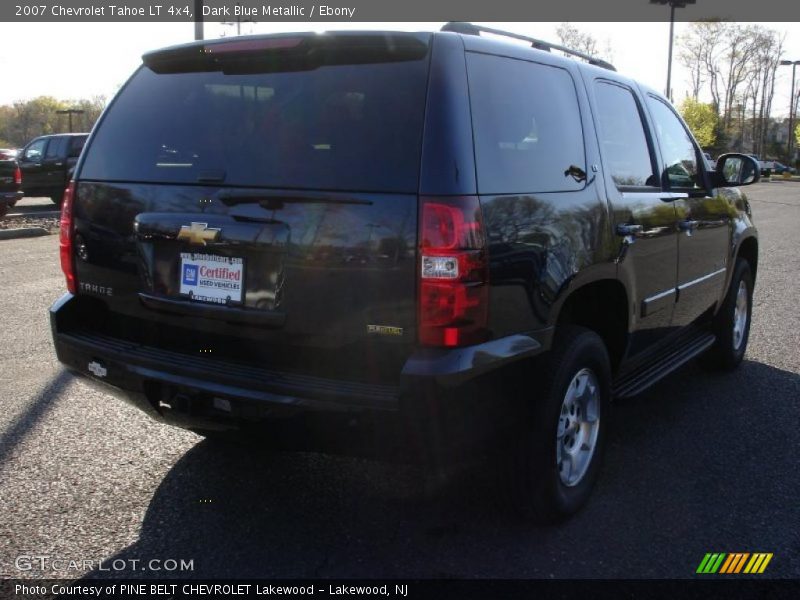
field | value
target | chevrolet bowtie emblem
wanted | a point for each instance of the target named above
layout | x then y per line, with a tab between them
198	233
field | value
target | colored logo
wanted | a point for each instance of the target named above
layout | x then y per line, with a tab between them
190	274
198	233
733	563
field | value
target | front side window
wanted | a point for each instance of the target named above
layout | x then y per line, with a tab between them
626	154
677	149
527	126
35	150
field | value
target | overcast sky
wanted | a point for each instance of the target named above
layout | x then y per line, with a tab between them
81	60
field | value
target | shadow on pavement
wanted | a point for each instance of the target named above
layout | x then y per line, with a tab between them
13	435
694	465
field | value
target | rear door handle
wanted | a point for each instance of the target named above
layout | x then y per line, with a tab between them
688	226
626	230
628	233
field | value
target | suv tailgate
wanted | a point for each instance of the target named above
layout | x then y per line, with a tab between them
259	203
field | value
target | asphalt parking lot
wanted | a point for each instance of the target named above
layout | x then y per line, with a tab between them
701	463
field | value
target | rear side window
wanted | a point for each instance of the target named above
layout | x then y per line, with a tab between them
56	148
527	126
337	127
626	154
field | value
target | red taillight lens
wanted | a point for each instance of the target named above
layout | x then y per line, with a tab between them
454	272
65	238
17	176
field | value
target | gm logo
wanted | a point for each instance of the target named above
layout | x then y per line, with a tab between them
190	274
736	562
97	369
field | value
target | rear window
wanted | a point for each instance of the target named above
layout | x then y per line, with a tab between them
337	127
527	126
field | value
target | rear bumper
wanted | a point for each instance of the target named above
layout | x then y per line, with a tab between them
441	404
11	198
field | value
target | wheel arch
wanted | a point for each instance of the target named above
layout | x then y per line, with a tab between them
748	250
600	305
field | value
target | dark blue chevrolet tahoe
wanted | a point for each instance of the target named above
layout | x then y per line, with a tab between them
413	244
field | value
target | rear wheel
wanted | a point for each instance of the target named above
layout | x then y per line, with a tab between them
732	323
550	465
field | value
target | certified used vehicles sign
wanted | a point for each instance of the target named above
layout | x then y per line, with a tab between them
210	278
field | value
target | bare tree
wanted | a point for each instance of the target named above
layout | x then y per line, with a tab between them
736	64
690	56
769	50
741	46
706	40
574	38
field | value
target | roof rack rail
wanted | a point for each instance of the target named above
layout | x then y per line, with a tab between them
472	29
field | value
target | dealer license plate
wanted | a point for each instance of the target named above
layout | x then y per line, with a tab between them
211	278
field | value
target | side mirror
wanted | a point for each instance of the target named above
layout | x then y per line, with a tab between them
736	169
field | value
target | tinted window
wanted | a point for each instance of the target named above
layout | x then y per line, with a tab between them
344	127
626	155
527	126
677	149
56	147
35	151
76	145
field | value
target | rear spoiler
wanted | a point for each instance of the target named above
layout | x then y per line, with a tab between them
288	52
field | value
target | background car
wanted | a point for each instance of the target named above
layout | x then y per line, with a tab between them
47	163
10	185
780	168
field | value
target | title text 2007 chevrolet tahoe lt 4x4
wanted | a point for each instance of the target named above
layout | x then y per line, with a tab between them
404	242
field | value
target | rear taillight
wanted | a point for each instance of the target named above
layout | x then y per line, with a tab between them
454	272
66	237
17	176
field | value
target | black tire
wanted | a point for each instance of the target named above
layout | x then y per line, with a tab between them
725	354
530	478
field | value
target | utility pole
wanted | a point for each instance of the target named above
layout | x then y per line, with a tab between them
238	22
70	112
794	64
673	4
198	19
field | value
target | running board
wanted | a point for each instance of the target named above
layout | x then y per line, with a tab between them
681	351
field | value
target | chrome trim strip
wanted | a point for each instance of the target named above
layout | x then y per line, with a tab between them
641	195
683	286
674	195
660	295
654	194
651	305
